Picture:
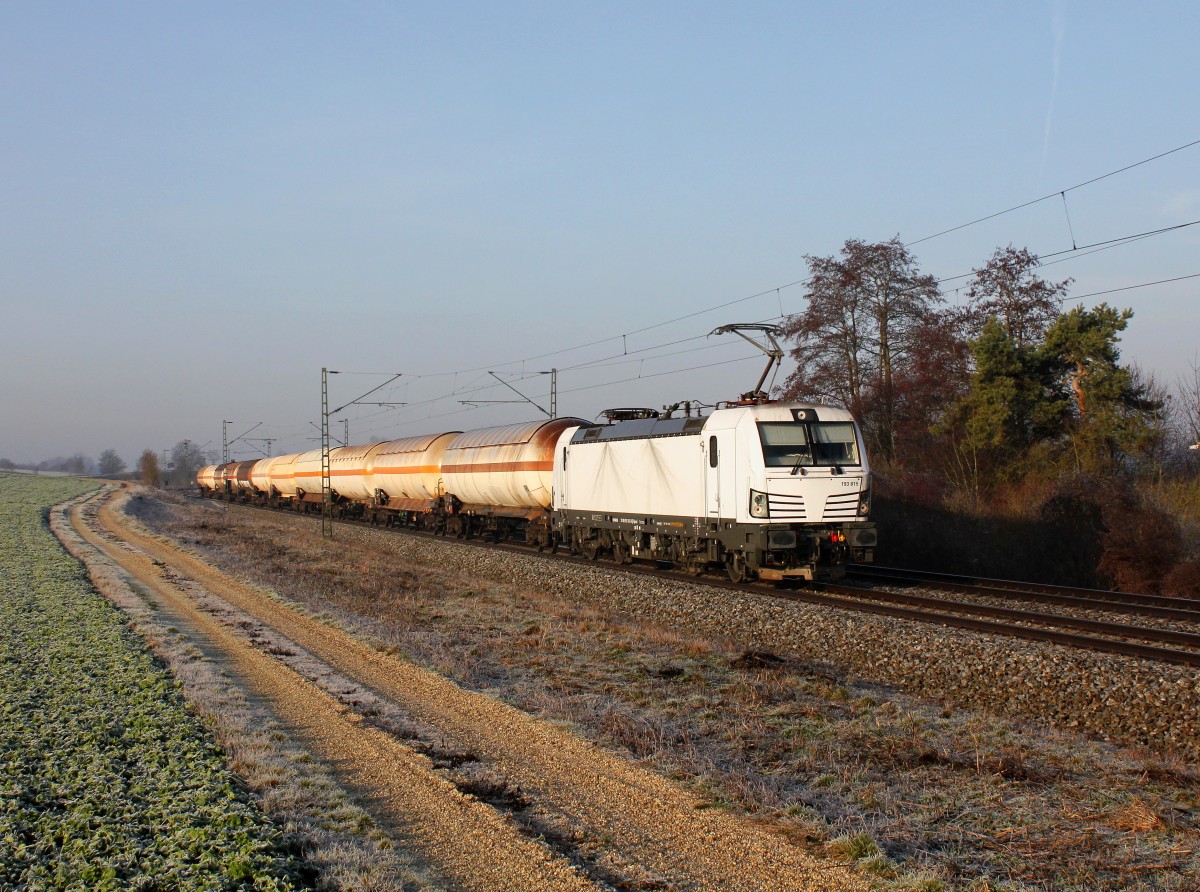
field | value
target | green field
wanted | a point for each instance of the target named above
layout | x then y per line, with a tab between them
107	780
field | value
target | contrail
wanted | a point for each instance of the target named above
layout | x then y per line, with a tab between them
1058	25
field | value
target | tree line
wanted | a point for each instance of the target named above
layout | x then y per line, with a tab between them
1012	382
178	469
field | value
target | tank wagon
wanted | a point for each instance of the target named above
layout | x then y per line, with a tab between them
769	490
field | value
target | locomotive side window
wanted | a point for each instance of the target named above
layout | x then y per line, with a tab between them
788	444
712	452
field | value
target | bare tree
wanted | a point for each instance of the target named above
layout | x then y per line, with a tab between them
1007	288
186	460
1189	403
866	312
110	463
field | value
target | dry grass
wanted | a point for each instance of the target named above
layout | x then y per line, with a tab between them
950	799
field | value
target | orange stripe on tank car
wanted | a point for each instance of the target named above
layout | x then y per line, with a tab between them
358	472
499	467
333	472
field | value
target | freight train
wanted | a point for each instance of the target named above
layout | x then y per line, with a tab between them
768	490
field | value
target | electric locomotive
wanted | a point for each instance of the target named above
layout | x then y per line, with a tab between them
770	490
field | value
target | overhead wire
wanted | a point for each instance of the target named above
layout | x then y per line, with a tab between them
1129	287
1057	192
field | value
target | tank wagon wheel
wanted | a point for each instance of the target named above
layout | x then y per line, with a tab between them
735	566
591	549
621	552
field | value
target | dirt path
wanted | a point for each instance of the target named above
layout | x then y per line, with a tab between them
462	839
631	828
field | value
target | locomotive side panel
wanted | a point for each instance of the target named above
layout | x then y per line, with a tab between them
660	477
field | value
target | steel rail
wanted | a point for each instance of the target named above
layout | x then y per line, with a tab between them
1005	587
1145	633
891	577
1069	639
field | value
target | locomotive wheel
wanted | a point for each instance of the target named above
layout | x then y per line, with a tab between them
735	565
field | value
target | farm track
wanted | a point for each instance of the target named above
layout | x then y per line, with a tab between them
653	832
1143	642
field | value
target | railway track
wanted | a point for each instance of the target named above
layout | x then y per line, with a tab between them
1142	642
1187	609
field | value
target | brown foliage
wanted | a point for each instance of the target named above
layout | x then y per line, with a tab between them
1184	580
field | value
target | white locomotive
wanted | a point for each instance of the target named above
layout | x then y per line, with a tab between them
770	490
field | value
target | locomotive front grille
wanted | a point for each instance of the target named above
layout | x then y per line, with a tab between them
786	507
842	506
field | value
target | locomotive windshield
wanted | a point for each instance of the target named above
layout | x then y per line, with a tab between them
794	444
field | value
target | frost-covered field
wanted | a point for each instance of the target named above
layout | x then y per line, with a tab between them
107	781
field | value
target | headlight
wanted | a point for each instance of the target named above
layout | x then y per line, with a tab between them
758	504
864	499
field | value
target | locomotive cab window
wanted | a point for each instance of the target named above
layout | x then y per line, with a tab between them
791	444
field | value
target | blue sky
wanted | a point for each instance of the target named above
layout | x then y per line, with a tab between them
203	204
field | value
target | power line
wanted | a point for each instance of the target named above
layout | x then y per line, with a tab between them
1093	248
1111	173
1130	287
618	358
626	357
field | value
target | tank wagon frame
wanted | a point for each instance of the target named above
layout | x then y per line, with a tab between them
773	491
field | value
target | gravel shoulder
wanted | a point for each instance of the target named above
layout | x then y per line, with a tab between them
628	827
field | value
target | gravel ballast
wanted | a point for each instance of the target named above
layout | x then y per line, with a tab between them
1121	699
